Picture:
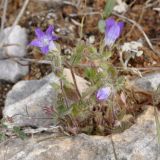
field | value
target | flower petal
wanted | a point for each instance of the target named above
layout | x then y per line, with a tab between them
39	33
103	93
49	30
112	35
54	37
52	46
121	25
36	43
109	23
45	50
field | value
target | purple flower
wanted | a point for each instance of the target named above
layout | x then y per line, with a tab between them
45	40
112	31
103	93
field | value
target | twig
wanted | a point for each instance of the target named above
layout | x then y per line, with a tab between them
74	79
140	29
80	65
139	20
78	3
4	14
18	59
30	117
132	3
70	3
85	14
16	21
156	9
76	23
147	5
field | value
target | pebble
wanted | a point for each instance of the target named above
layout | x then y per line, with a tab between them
91	39
12	71
17	41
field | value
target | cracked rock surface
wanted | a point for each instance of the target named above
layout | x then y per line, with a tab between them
136	143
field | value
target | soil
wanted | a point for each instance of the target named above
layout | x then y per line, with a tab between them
67	19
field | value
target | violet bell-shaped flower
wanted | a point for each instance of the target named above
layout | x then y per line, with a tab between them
113	30
45	40
103	93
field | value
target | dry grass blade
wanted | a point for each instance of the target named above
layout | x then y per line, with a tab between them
4	14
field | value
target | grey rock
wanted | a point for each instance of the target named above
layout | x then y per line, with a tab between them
91	39
149	82
15	46
12	71
16	41
26	101
139	142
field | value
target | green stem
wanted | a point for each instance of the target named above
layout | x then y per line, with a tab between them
74	79
75	82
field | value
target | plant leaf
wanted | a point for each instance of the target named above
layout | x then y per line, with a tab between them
92	49
2	136
108	7
101	26
90	73
78	53
107	54
19	132
120	83
89	92
75	110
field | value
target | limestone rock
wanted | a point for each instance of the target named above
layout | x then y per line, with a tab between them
136	143
12	71
26	101
149	82
15	43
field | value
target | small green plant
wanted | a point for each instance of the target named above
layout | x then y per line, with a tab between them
16	130
96	110
2	137
19	132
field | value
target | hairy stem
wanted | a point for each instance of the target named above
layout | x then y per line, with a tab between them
75	82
